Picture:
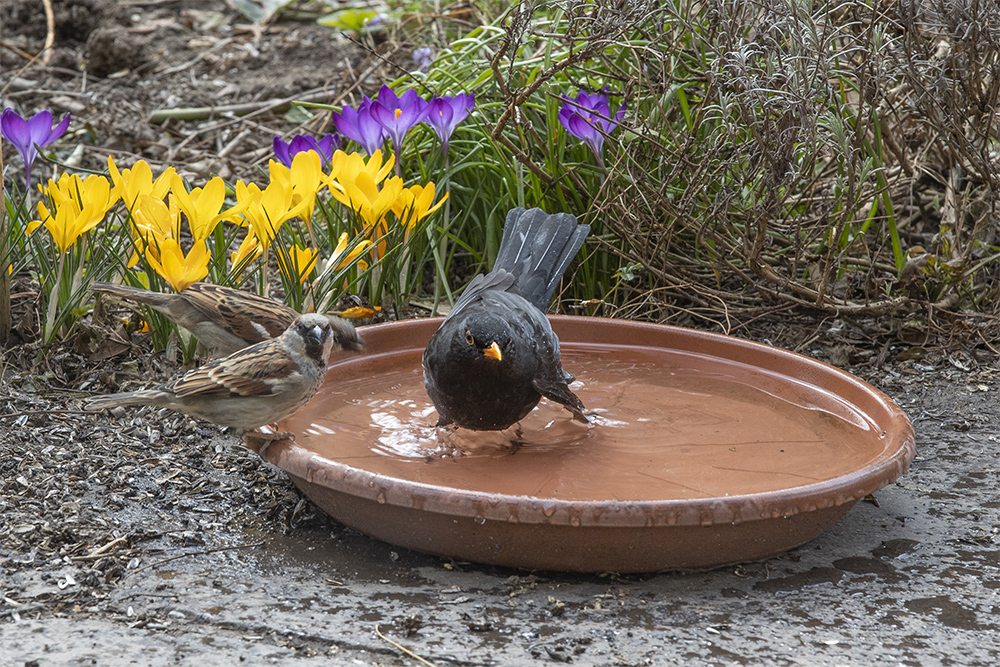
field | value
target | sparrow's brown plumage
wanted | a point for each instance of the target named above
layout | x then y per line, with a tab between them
257	385
221	318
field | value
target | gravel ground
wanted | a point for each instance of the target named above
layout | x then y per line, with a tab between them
147	538
150	539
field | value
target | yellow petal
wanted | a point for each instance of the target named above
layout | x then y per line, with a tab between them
249	250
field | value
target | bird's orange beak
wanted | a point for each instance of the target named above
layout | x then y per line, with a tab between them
493	351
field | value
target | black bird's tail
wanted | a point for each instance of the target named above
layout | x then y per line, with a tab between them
536	249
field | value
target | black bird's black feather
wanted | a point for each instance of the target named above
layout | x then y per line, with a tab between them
502	314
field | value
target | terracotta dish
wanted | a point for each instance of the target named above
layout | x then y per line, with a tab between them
705	450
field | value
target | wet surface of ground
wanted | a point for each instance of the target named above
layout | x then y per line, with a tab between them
147	538
218	557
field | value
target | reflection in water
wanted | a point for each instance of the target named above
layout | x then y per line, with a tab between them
666	425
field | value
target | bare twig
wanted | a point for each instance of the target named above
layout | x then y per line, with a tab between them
403	648
50	31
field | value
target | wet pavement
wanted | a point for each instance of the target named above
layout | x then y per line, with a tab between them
910	578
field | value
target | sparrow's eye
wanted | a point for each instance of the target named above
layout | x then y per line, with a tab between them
469	338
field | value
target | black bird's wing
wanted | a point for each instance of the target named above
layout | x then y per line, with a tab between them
551	381
500	281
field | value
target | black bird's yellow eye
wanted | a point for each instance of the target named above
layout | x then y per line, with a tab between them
469	338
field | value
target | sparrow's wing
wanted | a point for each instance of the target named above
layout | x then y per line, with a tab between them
245	315
258	370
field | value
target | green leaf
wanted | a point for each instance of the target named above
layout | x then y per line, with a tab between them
352	20
297	114
260	11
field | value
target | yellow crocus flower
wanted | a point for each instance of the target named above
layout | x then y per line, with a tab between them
266	210
176	267
307	178
202	206
340	257
345	168
414	204
152	223
364	197
297	264
249	250
79	206
131	184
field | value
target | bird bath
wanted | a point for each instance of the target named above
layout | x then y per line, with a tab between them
705	450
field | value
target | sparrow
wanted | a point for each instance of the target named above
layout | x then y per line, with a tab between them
221	318
257	385
495	355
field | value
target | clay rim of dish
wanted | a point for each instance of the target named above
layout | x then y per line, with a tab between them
898	451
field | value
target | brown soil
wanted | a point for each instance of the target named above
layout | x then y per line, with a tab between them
147	537
138	58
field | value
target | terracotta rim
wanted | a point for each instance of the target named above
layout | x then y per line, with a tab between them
898	451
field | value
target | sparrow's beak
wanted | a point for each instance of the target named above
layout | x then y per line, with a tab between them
316	334
493	351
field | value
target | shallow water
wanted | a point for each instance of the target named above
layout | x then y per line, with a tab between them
666	425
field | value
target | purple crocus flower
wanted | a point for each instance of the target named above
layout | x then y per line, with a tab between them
26	135
398	114
303	142
361	126
588	117
424	56
445	113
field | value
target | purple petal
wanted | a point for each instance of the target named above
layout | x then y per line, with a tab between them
40	126
580	128
346	123
57	131
424	57
386	118
440	116
461	106
445	113
387	98
15	130
564	117
411	99
398	121
325	147
19	132
281	152
371	131
300	144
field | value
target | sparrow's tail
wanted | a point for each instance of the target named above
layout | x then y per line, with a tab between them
345	335
537	248
153	299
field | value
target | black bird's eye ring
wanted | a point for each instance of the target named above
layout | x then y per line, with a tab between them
469	338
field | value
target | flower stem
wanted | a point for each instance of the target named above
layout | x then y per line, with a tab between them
441	249
48	332
6	316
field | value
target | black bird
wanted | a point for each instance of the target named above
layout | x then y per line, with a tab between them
495	355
